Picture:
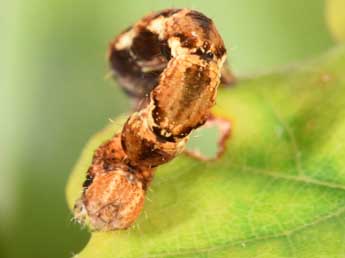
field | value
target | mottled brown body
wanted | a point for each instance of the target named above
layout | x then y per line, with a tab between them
174	58
184	96
145	147
140	54
114	191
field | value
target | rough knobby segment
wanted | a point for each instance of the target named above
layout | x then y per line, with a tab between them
174	59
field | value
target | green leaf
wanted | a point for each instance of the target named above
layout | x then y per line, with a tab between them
278	191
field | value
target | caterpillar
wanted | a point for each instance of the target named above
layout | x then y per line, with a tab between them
171	62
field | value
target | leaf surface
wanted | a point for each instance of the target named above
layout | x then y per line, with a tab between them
278	190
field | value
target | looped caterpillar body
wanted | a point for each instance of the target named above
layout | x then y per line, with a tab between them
174	59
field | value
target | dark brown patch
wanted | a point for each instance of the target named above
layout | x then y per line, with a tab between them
108	165
206	45
146	45
152	76
143	151
207	56
220	51
196	80
160	137
186	41
148	152
126	67
204	22
123	63
165	49
88	181
123	136
204	52
157	112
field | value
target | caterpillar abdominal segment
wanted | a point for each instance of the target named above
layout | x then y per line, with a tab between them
174	59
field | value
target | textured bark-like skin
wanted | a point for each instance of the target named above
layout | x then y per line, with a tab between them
139	54
114	191
174	59
114	200
144	147
185	94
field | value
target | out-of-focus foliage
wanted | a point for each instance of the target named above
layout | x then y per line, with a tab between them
336	18
54	95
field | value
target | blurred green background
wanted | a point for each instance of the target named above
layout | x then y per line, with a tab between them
55	95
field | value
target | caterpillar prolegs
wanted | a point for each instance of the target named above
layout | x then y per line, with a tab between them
172	61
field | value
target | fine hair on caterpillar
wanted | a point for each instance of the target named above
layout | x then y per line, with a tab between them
171	62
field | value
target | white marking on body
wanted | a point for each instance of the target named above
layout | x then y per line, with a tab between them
176	49
158	26
125	41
